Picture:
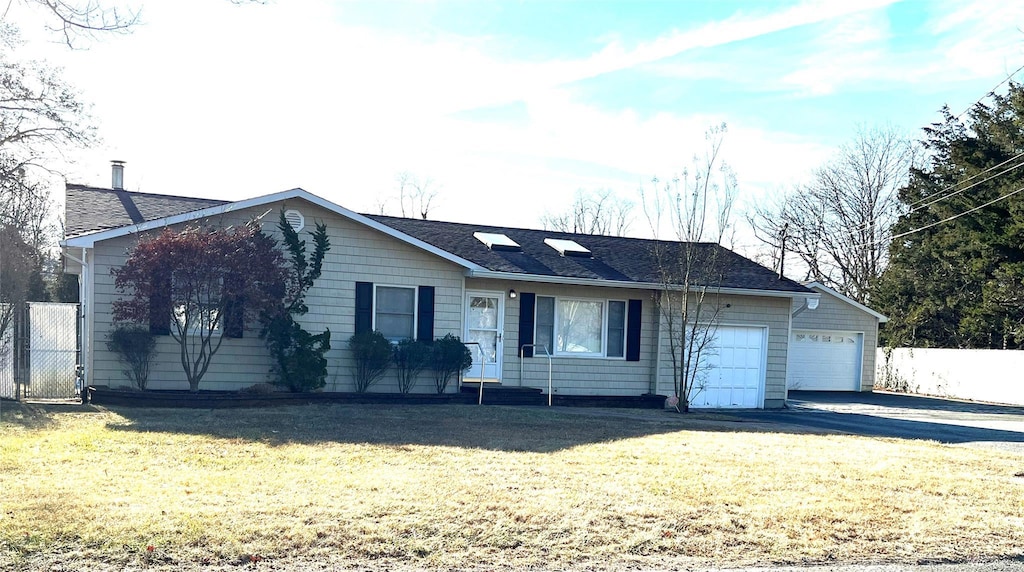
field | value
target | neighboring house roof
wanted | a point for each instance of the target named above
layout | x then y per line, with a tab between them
95	214
822	288
615	259
90	209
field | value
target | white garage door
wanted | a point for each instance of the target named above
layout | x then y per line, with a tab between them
823	360
735	369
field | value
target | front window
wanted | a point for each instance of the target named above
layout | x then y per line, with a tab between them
395	312
586	328
579	327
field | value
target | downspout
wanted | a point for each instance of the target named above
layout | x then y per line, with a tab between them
83	301
809	304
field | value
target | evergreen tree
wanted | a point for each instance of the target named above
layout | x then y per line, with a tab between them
956	277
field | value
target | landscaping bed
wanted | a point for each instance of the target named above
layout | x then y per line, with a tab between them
230	399
102	395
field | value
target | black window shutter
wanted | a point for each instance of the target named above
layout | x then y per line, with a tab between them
159	307
425	314
633	330
527	303
234	320
364	307
234	315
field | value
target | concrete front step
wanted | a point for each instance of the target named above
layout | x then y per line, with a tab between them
495	394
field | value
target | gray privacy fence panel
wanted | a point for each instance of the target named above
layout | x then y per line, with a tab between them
53	350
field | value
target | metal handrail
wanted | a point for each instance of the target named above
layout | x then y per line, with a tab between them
546	354
483	363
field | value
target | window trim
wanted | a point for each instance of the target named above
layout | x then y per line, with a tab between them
415	308
604	327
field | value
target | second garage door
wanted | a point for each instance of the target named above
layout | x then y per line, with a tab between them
824	360
735	369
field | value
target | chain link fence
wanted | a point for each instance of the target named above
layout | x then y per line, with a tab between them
39	352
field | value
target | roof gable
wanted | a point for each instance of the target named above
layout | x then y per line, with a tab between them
818	286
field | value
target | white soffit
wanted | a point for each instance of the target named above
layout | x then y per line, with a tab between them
495	241
567	247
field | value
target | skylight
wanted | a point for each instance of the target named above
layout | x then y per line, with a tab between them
496	241
567	247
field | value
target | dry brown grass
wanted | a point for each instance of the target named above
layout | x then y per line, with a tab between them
466	486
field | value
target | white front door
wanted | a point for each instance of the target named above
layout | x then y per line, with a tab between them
485	312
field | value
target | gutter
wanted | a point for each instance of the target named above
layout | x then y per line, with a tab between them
492	274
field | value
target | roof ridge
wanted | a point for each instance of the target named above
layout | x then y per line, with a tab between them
78	186
517	228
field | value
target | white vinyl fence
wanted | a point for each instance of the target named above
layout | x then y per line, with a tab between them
995	376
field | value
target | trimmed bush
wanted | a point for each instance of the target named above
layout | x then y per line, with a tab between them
372	354
135	346
411	357
448	357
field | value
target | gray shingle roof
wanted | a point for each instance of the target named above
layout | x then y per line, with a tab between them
91	209
614	258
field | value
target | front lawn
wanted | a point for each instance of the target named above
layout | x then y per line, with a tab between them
465	486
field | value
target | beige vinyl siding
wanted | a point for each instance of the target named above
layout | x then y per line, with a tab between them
574	375
835	314
762	312
357	253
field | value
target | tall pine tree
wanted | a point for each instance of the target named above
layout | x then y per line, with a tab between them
960	282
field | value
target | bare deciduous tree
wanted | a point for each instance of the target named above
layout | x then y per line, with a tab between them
696	207
76	21
595	212
839	224
415	195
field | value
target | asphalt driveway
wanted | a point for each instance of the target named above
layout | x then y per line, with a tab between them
901	416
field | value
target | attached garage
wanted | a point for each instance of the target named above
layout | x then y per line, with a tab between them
735	375
825	360
832	343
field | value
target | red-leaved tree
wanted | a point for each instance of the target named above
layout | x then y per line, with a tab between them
200	285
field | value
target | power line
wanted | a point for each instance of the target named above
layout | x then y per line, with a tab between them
991	91
947	219
914	208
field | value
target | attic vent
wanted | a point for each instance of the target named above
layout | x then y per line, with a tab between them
496	241
295	219
568	247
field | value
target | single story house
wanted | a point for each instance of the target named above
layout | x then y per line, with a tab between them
833	347
591	301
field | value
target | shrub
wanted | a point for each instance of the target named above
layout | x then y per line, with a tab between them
299	362
449	356
372	354
411	357
135	346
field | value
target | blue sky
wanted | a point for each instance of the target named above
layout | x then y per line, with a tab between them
511	107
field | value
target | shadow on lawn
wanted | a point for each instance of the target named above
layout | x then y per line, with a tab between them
502	428
37	415
526	429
